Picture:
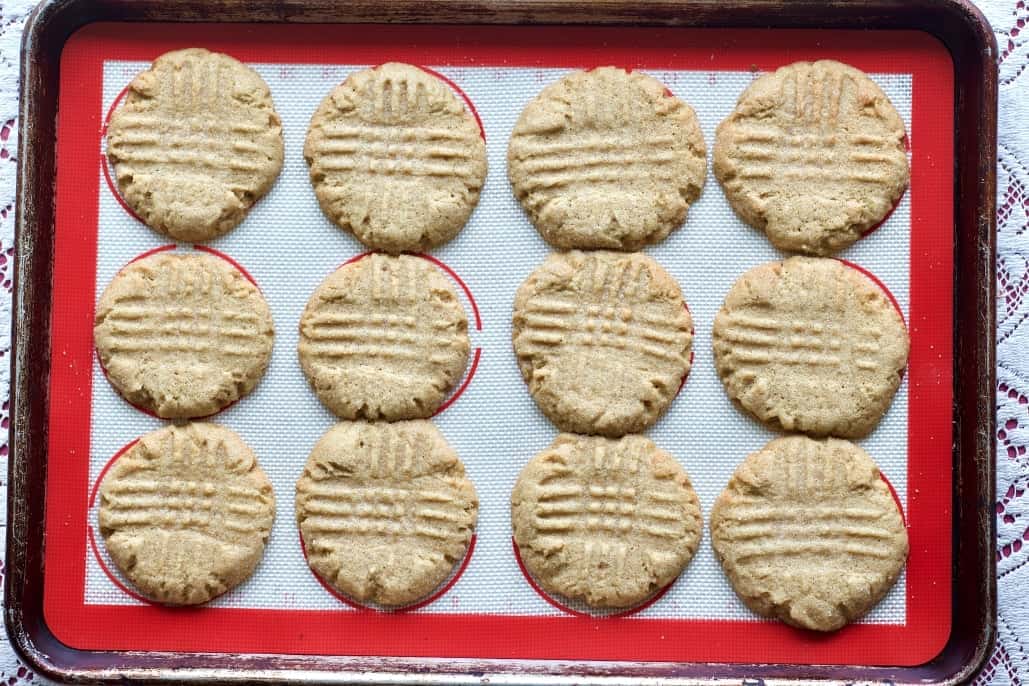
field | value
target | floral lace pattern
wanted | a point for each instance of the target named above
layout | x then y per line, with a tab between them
1009	663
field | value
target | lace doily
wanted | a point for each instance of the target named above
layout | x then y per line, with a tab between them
1009	663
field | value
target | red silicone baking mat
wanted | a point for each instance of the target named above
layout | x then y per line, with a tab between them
447	629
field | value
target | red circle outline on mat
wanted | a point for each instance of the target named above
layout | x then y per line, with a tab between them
875	227
656	596
96	351
92	537
110	575
900	198
105	162
628	70
148	253
896	498
478	327
442	265
477	355
460	282
242	270
693	352
461	389
114	105
417	605
454	87
355	258
103	370
103	472
875	279
464	96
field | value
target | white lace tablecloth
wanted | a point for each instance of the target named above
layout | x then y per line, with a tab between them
1009	663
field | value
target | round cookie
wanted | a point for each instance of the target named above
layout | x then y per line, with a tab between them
396	159
606	159
183	335
607	521
603	339
811	345
813	155
195	144
384	338
385	510
186	513
808	532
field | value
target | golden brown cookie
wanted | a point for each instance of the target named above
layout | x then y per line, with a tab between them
603	340
195	143
385	510
396	159
186	513
606	521
808	532
384	338
813	155
606	159
810	345
183	334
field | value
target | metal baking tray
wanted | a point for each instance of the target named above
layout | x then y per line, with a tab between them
956	24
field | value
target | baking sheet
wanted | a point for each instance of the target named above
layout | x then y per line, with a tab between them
494	425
